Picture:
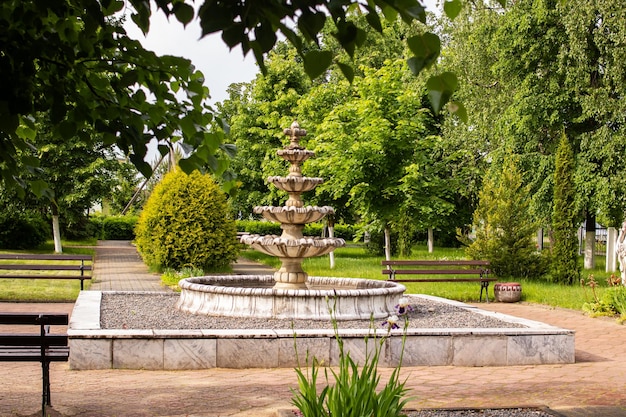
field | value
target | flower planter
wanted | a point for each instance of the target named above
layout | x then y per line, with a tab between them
507	292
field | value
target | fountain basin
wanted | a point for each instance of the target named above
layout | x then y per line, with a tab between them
253	296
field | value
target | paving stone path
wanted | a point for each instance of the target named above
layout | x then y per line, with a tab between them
595	386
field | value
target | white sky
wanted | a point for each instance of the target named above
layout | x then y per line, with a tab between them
210	55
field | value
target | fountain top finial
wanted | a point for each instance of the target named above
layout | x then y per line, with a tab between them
295	133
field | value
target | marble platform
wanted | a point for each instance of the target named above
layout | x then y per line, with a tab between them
94	348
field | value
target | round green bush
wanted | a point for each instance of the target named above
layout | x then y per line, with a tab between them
185	223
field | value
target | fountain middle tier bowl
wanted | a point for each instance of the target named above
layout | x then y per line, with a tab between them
294	215
293	184
281	247
253	296
295	155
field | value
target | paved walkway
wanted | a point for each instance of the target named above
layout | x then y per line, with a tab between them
595	386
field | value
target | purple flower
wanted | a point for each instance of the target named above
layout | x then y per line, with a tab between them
391	322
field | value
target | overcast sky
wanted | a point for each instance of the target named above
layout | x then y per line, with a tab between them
210	55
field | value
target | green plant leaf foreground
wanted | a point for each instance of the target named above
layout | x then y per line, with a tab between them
351	389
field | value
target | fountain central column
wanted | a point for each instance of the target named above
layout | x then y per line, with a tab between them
292	247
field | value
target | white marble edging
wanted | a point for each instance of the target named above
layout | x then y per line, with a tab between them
94	348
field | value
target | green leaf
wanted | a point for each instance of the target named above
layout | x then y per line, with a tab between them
142	20
184	13
67	129
390	13
374	21
316	62
458	108
41	189
452	8
129	78
440	89
234	35
310	24
347	71
25	132
113	7
426	49
265	36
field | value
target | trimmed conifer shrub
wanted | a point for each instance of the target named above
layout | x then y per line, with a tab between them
186	223
565	268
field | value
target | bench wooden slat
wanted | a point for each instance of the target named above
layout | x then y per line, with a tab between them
44	257
433	271
446	280
34	318
435	262
49	267
24	339
39	276
26	354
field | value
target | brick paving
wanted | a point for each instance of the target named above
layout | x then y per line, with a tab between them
594	386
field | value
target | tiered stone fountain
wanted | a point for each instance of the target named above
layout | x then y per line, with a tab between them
290	293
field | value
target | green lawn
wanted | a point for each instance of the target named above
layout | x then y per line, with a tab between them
46	290
354	262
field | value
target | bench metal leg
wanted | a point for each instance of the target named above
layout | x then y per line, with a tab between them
45	396
484	285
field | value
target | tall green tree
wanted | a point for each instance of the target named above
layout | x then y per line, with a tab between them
565	267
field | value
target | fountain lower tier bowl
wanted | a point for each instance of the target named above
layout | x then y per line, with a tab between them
281	247
253	296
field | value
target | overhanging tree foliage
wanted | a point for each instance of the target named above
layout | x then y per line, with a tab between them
73	60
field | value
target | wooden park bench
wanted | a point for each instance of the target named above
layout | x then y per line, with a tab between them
426	269
63	262
41	346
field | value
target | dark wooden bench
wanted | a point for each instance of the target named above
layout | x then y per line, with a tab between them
41	346
65	263
479	269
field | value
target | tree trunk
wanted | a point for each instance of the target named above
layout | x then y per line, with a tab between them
611	258
590	240
540	239
56	230
431	240
331	234
387	244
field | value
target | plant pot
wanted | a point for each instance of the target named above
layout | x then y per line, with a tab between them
507	292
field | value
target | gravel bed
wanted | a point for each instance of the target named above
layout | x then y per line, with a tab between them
157	311
482	412
494	412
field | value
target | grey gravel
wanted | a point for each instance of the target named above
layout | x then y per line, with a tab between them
488	412
157	311
495	412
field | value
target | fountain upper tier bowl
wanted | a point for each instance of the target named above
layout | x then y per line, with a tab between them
293	184
254	296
